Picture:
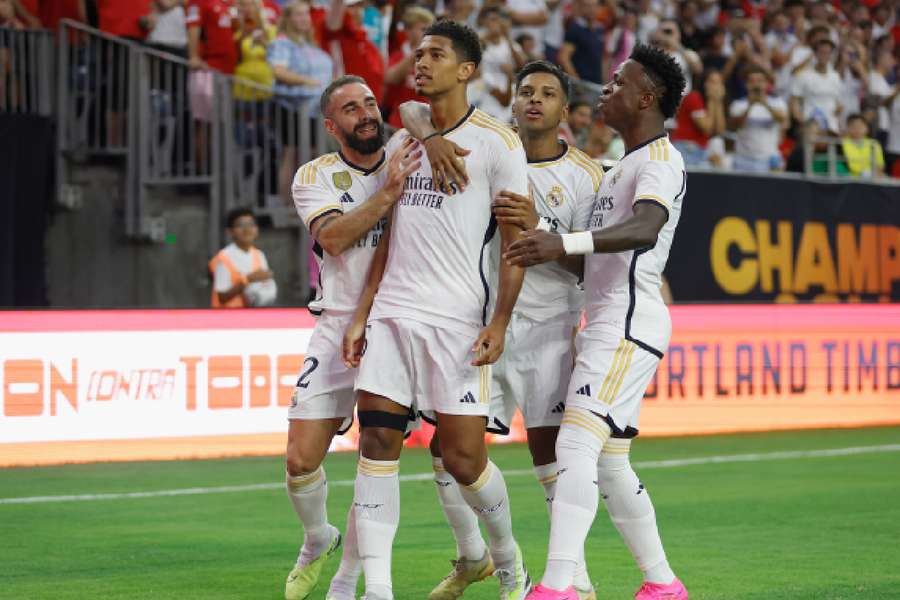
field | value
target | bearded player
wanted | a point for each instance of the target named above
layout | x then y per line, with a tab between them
628	328
342	198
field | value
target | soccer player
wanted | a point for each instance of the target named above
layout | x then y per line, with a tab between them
342	198
426	334
533	372
628	327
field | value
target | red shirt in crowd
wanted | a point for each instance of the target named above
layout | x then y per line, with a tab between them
214	18
31	6
51	12
351	47
686	129
123	18
272	11
395	95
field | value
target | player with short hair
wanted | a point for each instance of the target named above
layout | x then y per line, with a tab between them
343	198
534	371
628	327
433	281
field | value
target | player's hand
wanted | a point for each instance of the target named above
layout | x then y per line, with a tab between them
401	165
354	344
447	164
489	345
535	247
259	275
514	209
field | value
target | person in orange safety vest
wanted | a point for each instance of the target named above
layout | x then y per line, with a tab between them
240	272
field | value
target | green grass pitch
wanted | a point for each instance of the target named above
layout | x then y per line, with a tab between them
795	527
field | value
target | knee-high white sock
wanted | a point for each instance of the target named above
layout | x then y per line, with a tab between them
581	437
632	511
308	494
462	520
343	584
488	498
376	503
547	476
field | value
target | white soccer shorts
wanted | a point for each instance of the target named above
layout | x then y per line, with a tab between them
425	367
534	371
610	378
324	387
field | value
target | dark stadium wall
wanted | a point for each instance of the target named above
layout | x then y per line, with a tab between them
26	188
92	264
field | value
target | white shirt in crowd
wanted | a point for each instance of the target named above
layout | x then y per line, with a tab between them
535	31
893	144
493	77
878	86
258	293
784	78
760	135
170	29
820	94
555	29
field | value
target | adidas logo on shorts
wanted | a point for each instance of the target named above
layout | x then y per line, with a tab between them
584	390
559	408
468	398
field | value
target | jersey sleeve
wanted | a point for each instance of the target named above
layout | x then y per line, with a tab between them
313	197
660	182
509	167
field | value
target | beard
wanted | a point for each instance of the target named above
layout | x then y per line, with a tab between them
365	146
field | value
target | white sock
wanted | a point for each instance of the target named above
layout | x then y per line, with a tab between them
462	520
488	498
308	494
547	476
631	511
581	437
343	584
376	503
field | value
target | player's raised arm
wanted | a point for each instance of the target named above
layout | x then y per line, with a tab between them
336	231
445	157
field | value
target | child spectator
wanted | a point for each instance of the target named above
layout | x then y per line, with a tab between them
863	154
241	275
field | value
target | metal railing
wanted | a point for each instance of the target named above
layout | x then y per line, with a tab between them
834	157
26	71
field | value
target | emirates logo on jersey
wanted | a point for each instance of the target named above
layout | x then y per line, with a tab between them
555	197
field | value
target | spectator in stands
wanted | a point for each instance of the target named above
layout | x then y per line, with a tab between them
691	35
863	154
748	50
576	128
8	16
501	58
583	43
529	46
780	40
892	103
352	51
817	146
253	36
554	31
123	19
24	13
531	17
881	89
648	21
461	11
400	85
852	66
621	40
758	121
241	275
668	37
717	51
817	90
302	71
166	28
212	22
603	143
801	57
700	117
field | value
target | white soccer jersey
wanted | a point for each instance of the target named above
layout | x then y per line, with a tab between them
438	268
563	189
332	184
623	288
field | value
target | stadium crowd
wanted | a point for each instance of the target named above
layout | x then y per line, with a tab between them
763	76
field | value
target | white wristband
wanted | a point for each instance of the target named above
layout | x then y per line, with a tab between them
578	243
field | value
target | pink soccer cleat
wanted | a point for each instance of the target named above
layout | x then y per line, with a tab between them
659	591
542	592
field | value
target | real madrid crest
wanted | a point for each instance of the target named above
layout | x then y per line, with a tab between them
555	197
342	180
616	176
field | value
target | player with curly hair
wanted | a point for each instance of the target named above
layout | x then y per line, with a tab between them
621	251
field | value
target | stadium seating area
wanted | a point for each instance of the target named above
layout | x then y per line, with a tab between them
823	101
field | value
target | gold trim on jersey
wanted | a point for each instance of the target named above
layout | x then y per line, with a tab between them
480	119
483	478
308	173
322	211
484	388
584	419
653	197
587	163
659	149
